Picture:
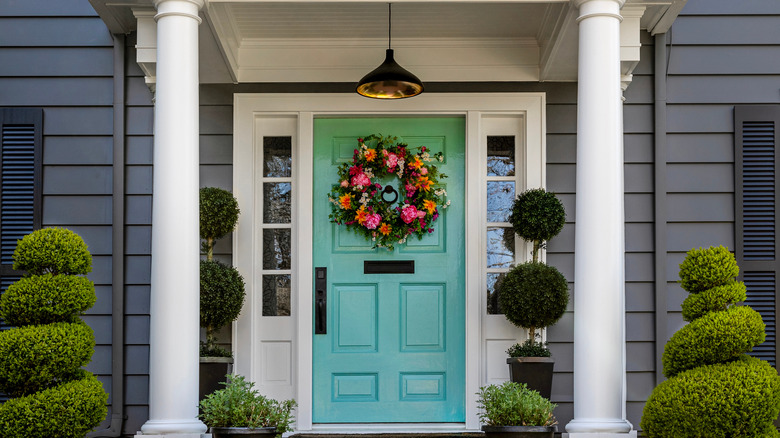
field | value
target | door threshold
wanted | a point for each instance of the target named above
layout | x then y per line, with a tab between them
430	430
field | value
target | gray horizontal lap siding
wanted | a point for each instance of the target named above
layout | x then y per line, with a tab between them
59	56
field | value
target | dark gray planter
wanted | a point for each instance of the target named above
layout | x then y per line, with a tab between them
243	432
212	372
519	431
536	372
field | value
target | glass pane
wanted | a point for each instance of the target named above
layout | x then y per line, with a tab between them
500	247
493	280
500	196
277	156
276	203
276	249
501	155
276	295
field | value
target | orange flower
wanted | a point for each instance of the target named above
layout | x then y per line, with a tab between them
345	201
429	205
385	229
423	183
370	154
361	215
416	163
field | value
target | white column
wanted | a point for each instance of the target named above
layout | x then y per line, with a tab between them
599	275
174	307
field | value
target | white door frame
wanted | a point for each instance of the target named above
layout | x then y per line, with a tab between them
272	112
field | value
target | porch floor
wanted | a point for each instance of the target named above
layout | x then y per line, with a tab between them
390	435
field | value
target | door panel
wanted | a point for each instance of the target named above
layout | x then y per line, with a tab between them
394	349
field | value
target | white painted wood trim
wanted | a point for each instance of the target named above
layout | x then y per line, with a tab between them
306	107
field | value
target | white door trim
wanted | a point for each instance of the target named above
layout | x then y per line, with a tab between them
249	108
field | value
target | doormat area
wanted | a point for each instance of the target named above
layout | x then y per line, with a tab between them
390	435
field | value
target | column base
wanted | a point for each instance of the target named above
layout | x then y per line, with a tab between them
631	434
175	435
173	428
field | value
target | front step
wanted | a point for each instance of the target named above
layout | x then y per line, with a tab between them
391	435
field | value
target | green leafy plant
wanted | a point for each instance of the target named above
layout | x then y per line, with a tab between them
513	404
713	389
529	348
221	297
240	405
537	216
41	360
218	216
533	295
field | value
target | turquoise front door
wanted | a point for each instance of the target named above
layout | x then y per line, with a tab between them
393	350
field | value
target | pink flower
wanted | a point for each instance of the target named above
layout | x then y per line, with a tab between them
372	221
409	213
392	160
361	180
345	183
420	214
423	171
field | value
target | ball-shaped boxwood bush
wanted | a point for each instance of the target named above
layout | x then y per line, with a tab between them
737	399
221	297
713	300
47	298
52	250
713	338
69	410
537	216
218	212
37	357
533	295
704	269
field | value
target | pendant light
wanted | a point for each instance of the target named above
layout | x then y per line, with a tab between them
389	80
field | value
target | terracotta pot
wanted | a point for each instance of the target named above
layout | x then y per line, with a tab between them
536	372
243	432
519	431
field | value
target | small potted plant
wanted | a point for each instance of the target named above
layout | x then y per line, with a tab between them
511	410
221	286
534	295
239	410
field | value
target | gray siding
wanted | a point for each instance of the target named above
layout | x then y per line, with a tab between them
59	56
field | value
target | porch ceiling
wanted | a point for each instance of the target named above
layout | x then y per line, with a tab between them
340	41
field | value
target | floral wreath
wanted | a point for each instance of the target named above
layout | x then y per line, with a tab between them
362	204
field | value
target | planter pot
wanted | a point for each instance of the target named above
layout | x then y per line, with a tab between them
536	372
243	432
212	372
519	431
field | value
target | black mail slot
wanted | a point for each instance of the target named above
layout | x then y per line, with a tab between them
388	267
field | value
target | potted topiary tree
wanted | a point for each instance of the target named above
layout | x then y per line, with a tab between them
533	295
238	409
714	389
41	359
221	286
512	410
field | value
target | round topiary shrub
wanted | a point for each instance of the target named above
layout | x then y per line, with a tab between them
68	410
713	300
713	338
714	390
533	295
537	216
704	269
47	298
218	215
41	360
734	399
52	250
221	297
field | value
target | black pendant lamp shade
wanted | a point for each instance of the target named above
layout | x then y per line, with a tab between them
389	80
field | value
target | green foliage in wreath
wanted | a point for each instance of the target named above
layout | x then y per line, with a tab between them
357	200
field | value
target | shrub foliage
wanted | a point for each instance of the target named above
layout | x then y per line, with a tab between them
537	216
221	297
218	215
513	404
41	360
714	390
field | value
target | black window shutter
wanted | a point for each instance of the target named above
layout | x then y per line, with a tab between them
21	153
756	138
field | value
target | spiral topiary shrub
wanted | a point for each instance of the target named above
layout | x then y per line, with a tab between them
537	216
714	390
41	360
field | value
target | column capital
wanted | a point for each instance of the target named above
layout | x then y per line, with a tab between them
579	3
198	3
182	8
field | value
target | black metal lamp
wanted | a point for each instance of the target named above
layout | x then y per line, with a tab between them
389	80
